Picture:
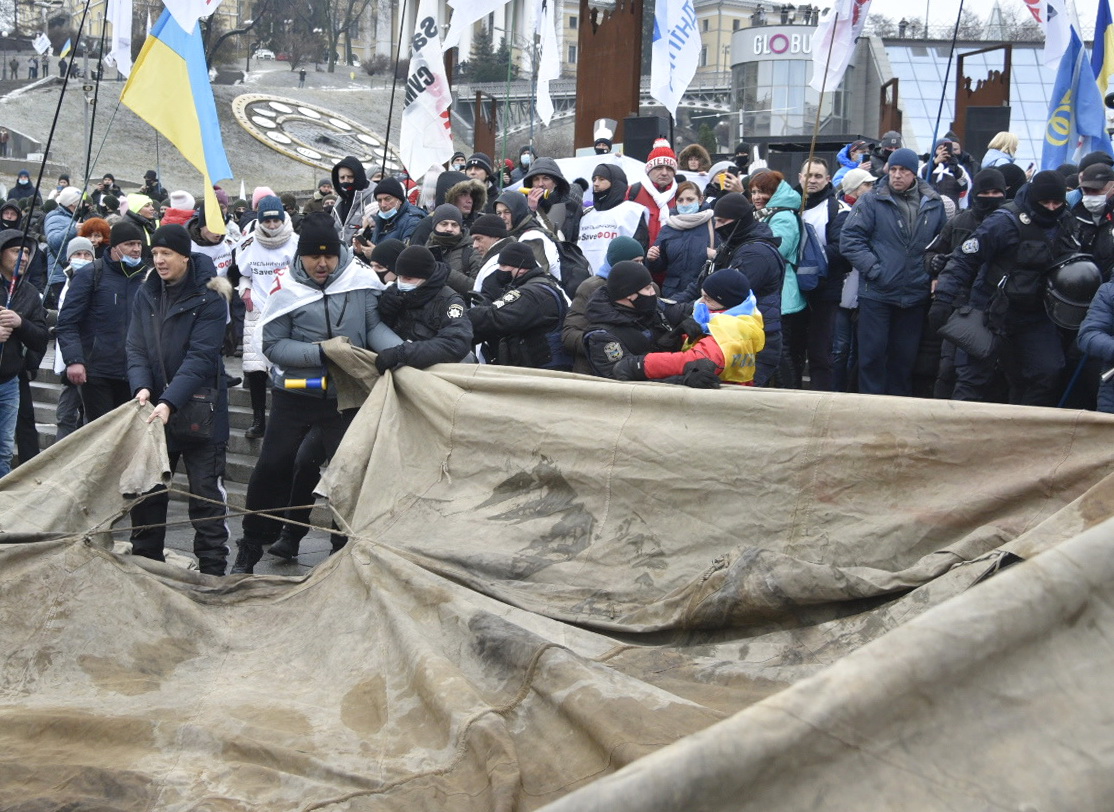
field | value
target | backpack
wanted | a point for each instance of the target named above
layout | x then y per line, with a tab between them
812	259
559	357
574	266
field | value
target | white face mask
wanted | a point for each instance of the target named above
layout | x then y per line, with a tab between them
1095	204
78	264
406	286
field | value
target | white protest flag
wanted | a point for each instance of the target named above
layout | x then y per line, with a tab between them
119	55
467	13
549	58
837	33
675	52
41	43
1056	19
426	138
187	12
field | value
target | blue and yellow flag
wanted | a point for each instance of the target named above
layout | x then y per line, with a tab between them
66	49
1102	53
1076	115
169	74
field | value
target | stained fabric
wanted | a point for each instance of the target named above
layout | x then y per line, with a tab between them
585	594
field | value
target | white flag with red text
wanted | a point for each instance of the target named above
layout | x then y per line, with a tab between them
426	139
836	34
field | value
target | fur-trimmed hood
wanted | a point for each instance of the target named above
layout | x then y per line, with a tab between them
694	151
472	187
221	286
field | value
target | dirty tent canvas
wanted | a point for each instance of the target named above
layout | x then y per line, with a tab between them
579	593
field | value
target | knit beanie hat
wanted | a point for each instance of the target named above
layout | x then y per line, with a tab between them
138	201
1015	178
182	199
733	206
517	255
270	208
482	161
416	262
110	202
69	197
905	157
627	278
260	193
390	186
150	174
386	253
447	211
624	248
1096	157
490	225
989	180
48	206
318	236
729	287
661	155
78	244
1047	185
174	237
126	231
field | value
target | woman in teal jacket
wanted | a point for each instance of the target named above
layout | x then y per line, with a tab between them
776	204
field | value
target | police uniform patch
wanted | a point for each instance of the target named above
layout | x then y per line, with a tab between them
1023	217
613	350
455	311
970	247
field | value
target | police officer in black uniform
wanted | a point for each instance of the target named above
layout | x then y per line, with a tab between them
520	321
425	312
1003	269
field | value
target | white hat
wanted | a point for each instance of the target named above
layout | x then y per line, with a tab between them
182	200
856	178
69	197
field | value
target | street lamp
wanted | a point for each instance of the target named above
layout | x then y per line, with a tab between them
247	56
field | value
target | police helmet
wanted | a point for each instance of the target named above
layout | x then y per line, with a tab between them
1072	284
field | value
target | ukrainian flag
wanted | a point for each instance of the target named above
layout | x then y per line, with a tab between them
170	73
1102	53
66	49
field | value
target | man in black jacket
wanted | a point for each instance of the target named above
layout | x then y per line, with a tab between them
174	354
425	312
521	324
22	329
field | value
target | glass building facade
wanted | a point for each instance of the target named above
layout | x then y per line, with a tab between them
775	100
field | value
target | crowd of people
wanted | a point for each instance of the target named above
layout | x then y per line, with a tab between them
898	274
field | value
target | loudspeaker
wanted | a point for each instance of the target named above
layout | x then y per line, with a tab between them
983	123
639	134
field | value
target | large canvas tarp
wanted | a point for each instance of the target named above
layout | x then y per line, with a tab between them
588	594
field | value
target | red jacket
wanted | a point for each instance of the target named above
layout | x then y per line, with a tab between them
655	223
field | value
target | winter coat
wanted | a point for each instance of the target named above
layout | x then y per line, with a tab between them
1096	338
23	192
785	225
528	230
431	320
59	227
683	245
93	322
293	331
615	332
995	157
30	337
178	217
450	186
890	259
524	314
564	206
457	254
190	336
147	225
399	227
846	164
351	205
577	324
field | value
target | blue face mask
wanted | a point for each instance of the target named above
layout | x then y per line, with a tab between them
688	208
526	159
78	264
406	286
131	261
387	215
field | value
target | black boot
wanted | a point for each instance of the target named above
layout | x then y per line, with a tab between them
258	426
248	553
287	545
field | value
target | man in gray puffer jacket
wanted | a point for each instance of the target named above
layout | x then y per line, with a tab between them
324	294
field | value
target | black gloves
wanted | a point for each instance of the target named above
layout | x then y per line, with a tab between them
390	358
937	263
629	368
692	328
701	374
475	298
938	315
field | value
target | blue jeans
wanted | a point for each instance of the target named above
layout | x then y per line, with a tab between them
888	339
9	411
845	351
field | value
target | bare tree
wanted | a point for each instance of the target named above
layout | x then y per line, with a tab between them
213	46
1020	25
970	25
340	16
880	25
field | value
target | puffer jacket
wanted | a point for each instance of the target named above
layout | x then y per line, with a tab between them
564	206
59	227
683	244
399	227
889	257
348	213
293	332
190	336
846	164
785	225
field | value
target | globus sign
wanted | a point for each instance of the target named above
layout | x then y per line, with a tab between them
783	43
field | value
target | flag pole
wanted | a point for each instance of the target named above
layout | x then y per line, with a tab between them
394	85
820	104
944	86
